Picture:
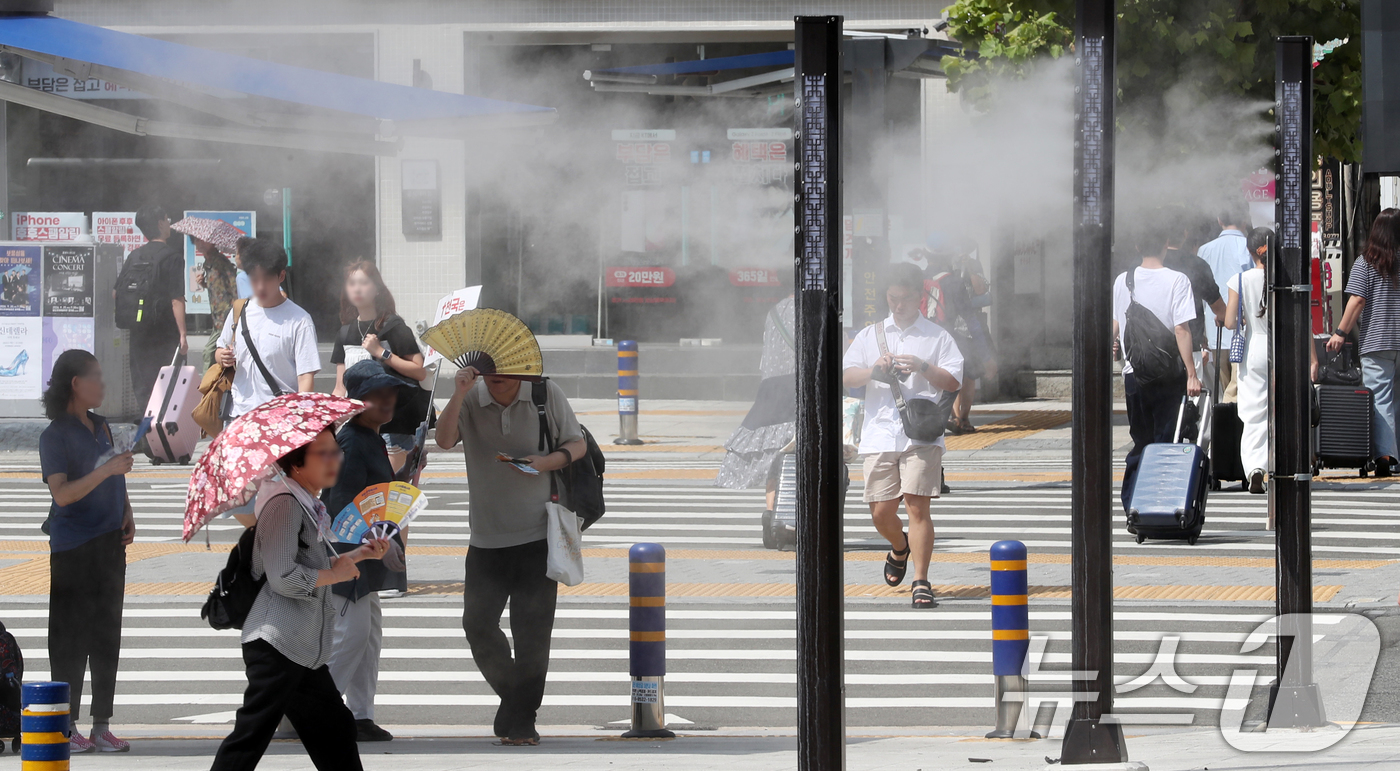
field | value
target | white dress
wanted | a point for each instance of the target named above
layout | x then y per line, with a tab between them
1254	372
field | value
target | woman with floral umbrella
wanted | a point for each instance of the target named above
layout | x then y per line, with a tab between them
286	450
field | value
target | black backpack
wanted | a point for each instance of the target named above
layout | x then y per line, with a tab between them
11	684
1148	344
136	285
583	479
235	589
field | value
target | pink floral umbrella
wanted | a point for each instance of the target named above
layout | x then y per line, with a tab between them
245	453
217	232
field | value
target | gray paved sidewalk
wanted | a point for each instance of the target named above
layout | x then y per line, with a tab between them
1373	747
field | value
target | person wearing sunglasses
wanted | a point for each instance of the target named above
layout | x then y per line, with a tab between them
288	635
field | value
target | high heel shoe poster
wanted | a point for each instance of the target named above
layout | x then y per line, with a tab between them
21	330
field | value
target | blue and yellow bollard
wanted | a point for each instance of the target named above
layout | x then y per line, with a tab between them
627	396
1011	636
43	727
647	648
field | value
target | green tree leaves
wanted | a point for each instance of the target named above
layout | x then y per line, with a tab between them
1211	48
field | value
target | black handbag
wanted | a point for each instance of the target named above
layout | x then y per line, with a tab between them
582	480
924	420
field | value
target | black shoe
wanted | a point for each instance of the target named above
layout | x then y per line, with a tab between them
367	731
1383	467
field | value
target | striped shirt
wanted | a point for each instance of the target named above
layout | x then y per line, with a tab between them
291	613
1380	317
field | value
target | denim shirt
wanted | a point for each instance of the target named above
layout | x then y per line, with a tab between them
67	447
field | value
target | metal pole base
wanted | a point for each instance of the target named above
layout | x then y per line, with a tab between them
1296	706
660	733
627	433
649	709
1089	741
1009	711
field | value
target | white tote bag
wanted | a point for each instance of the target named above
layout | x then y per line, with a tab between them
565	545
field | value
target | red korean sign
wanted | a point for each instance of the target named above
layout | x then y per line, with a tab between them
753	277
758	152
640	277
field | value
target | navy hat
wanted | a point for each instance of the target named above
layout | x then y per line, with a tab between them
369	375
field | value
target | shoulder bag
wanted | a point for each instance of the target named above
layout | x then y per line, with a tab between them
924	420
217	383
1239	344
1148	344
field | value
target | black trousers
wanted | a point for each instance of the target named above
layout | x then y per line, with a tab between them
516	575
148	355
278	686
1152	414
87	585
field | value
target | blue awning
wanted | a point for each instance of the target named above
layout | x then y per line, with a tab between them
720	64
296	92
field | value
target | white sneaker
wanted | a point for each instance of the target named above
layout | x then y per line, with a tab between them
1256	481
106	742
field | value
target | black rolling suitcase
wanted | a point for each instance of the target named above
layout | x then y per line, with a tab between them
1344	428
1226	431
1173	480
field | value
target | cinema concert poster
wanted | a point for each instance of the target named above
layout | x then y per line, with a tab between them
68	301
21	335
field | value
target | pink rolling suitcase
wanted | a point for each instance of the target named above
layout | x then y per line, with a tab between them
173	434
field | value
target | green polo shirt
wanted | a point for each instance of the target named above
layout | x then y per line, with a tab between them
507	506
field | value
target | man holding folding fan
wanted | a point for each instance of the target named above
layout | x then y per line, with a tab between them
498	414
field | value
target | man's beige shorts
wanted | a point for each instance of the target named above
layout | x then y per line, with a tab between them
916	471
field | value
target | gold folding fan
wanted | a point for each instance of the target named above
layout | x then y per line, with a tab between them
492	341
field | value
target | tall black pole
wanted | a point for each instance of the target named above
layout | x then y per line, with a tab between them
1088	738
1294	698
821	692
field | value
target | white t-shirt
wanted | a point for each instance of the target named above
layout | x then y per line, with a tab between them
882	430
286	340
1163	291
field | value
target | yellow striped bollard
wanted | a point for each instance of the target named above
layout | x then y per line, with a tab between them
43	727
1011	636
647	645
628	387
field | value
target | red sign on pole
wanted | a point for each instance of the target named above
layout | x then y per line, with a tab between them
753	277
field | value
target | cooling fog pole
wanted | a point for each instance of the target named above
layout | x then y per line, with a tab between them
1089	738
1294	699
821	722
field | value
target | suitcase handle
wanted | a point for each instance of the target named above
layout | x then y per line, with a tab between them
1203	430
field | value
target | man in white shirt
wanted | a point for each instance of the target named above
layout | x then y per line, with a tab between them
925	360
283	333
1227	255
1153	406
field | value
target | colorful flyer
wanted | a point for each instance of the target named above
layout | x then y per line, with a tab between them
20	342
20	266
379	511
62	333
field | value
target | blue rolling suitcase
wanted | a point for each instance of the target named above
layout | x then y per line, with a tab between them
1169	499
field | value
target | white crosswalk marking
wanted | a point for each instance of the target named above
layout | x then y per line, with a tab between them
726	666
696	515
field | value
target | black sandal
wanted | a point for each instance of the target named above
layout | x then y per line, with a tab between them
895	569
923	595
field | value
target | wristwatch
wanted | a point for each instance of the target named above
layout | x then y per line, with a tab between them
386	356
